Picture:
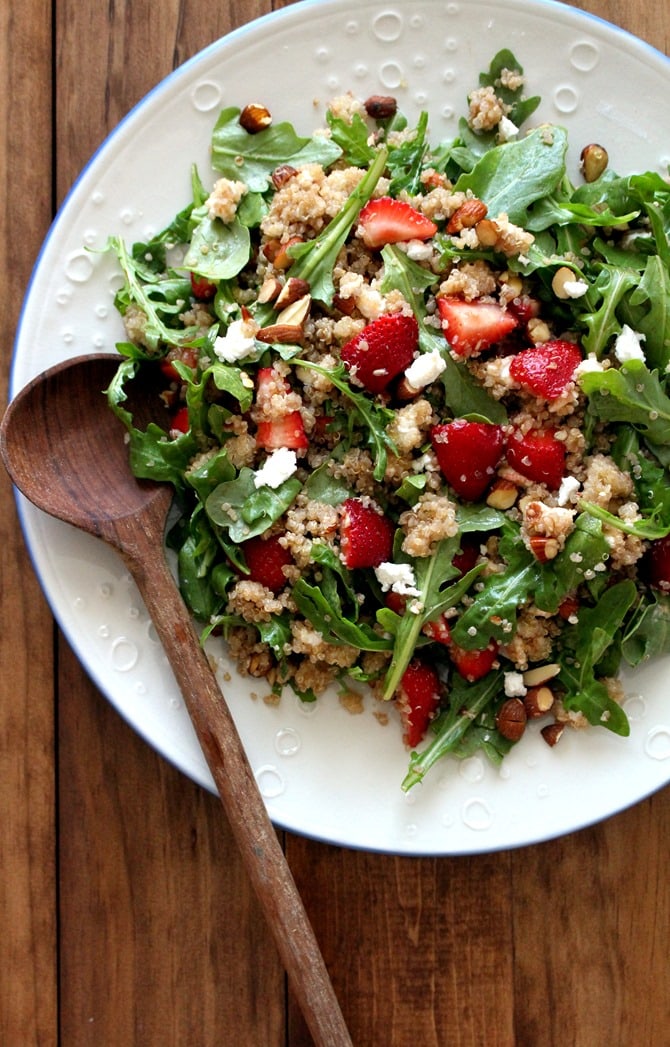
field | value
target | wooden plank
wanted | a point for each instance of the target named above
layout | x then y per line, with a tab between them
28	1008
162	941
413	944
591	926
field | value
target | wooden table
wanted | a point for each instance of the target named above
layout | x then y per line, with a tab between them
126	918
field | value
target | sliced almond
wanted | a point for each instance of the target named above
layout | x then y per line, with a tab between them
540	674
543	548
293	289
288	327
538	701
503	495
269	291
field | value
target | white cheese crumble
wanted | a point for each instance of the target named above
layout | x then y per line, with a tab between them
507	129
575	288
628	345
514	685
399	577
425	369
236	344
592	363
569	486
281	464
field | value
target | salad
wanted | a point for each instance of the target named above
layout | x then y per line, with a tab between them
419	422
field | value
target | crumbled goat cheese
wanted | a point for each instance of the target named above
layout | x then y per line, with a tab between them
569	486
627	346
281	464
507	129
236	344
575	288
590	364
399	577
425	369
514	685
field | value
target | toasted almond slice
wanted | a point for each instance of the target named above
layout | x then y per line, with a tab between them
540	674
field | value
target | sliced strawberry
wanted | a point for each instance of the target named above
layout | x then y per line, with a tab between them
472	665
266	558
285	430
538	456
202	288
546	369
470	327
468	453
388	221
466	559
382	350
395	601
658	564
179	422
366	536
418	699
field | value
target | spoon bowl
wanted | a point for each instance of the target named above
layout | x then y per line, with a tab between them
66	452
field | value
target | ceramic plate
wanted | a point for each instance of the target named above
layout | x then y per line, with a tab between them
324	772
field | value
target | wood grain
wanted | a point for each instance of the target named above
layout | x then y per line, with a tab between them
157	939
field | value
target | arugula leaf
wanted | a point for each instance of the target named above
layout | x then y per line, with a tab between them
252	158
632	394
406	161
315	259
647	310
325	614
584	552
467	702
647	634
352	138
218	250
243	510
196	556
602	301
521	107
584	646
511	177
365	411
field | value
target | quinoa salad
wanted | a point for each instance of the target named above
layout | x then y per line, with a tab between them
419	423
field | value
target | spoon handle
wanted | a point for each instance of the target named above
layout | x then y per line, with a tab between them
256	837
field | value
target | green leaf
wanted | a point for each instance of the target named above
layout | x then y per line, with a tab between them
511	177
218	250
244	510
251	158
335	627
352	138
315	259
632	394
647	634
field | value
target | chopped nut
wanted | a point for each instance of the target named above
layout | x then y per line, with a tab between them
467	216
538	331
282	174
594	161
511	719
269	290
381	107
552	733
540	674
487	232
538	701
255	117
293	289
543	548
277	252
562	277
503	495
288	327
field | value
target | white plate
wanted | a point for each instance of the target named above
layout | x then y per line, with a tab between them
324	772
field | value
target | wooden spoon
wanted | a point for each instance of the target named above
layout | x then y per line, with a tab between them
64	449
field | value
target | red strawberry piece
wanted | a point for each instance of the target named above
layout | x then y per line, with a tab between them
186	356
179	422
658	564
265	558
546	369
284	430
538	456
468	453
395	602
388	221
472	665
382	350
524	308
418	698
202	288
470	327
466	559
366	535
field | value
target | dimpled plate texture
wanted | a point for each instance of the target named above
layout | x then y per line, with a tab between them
325	772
